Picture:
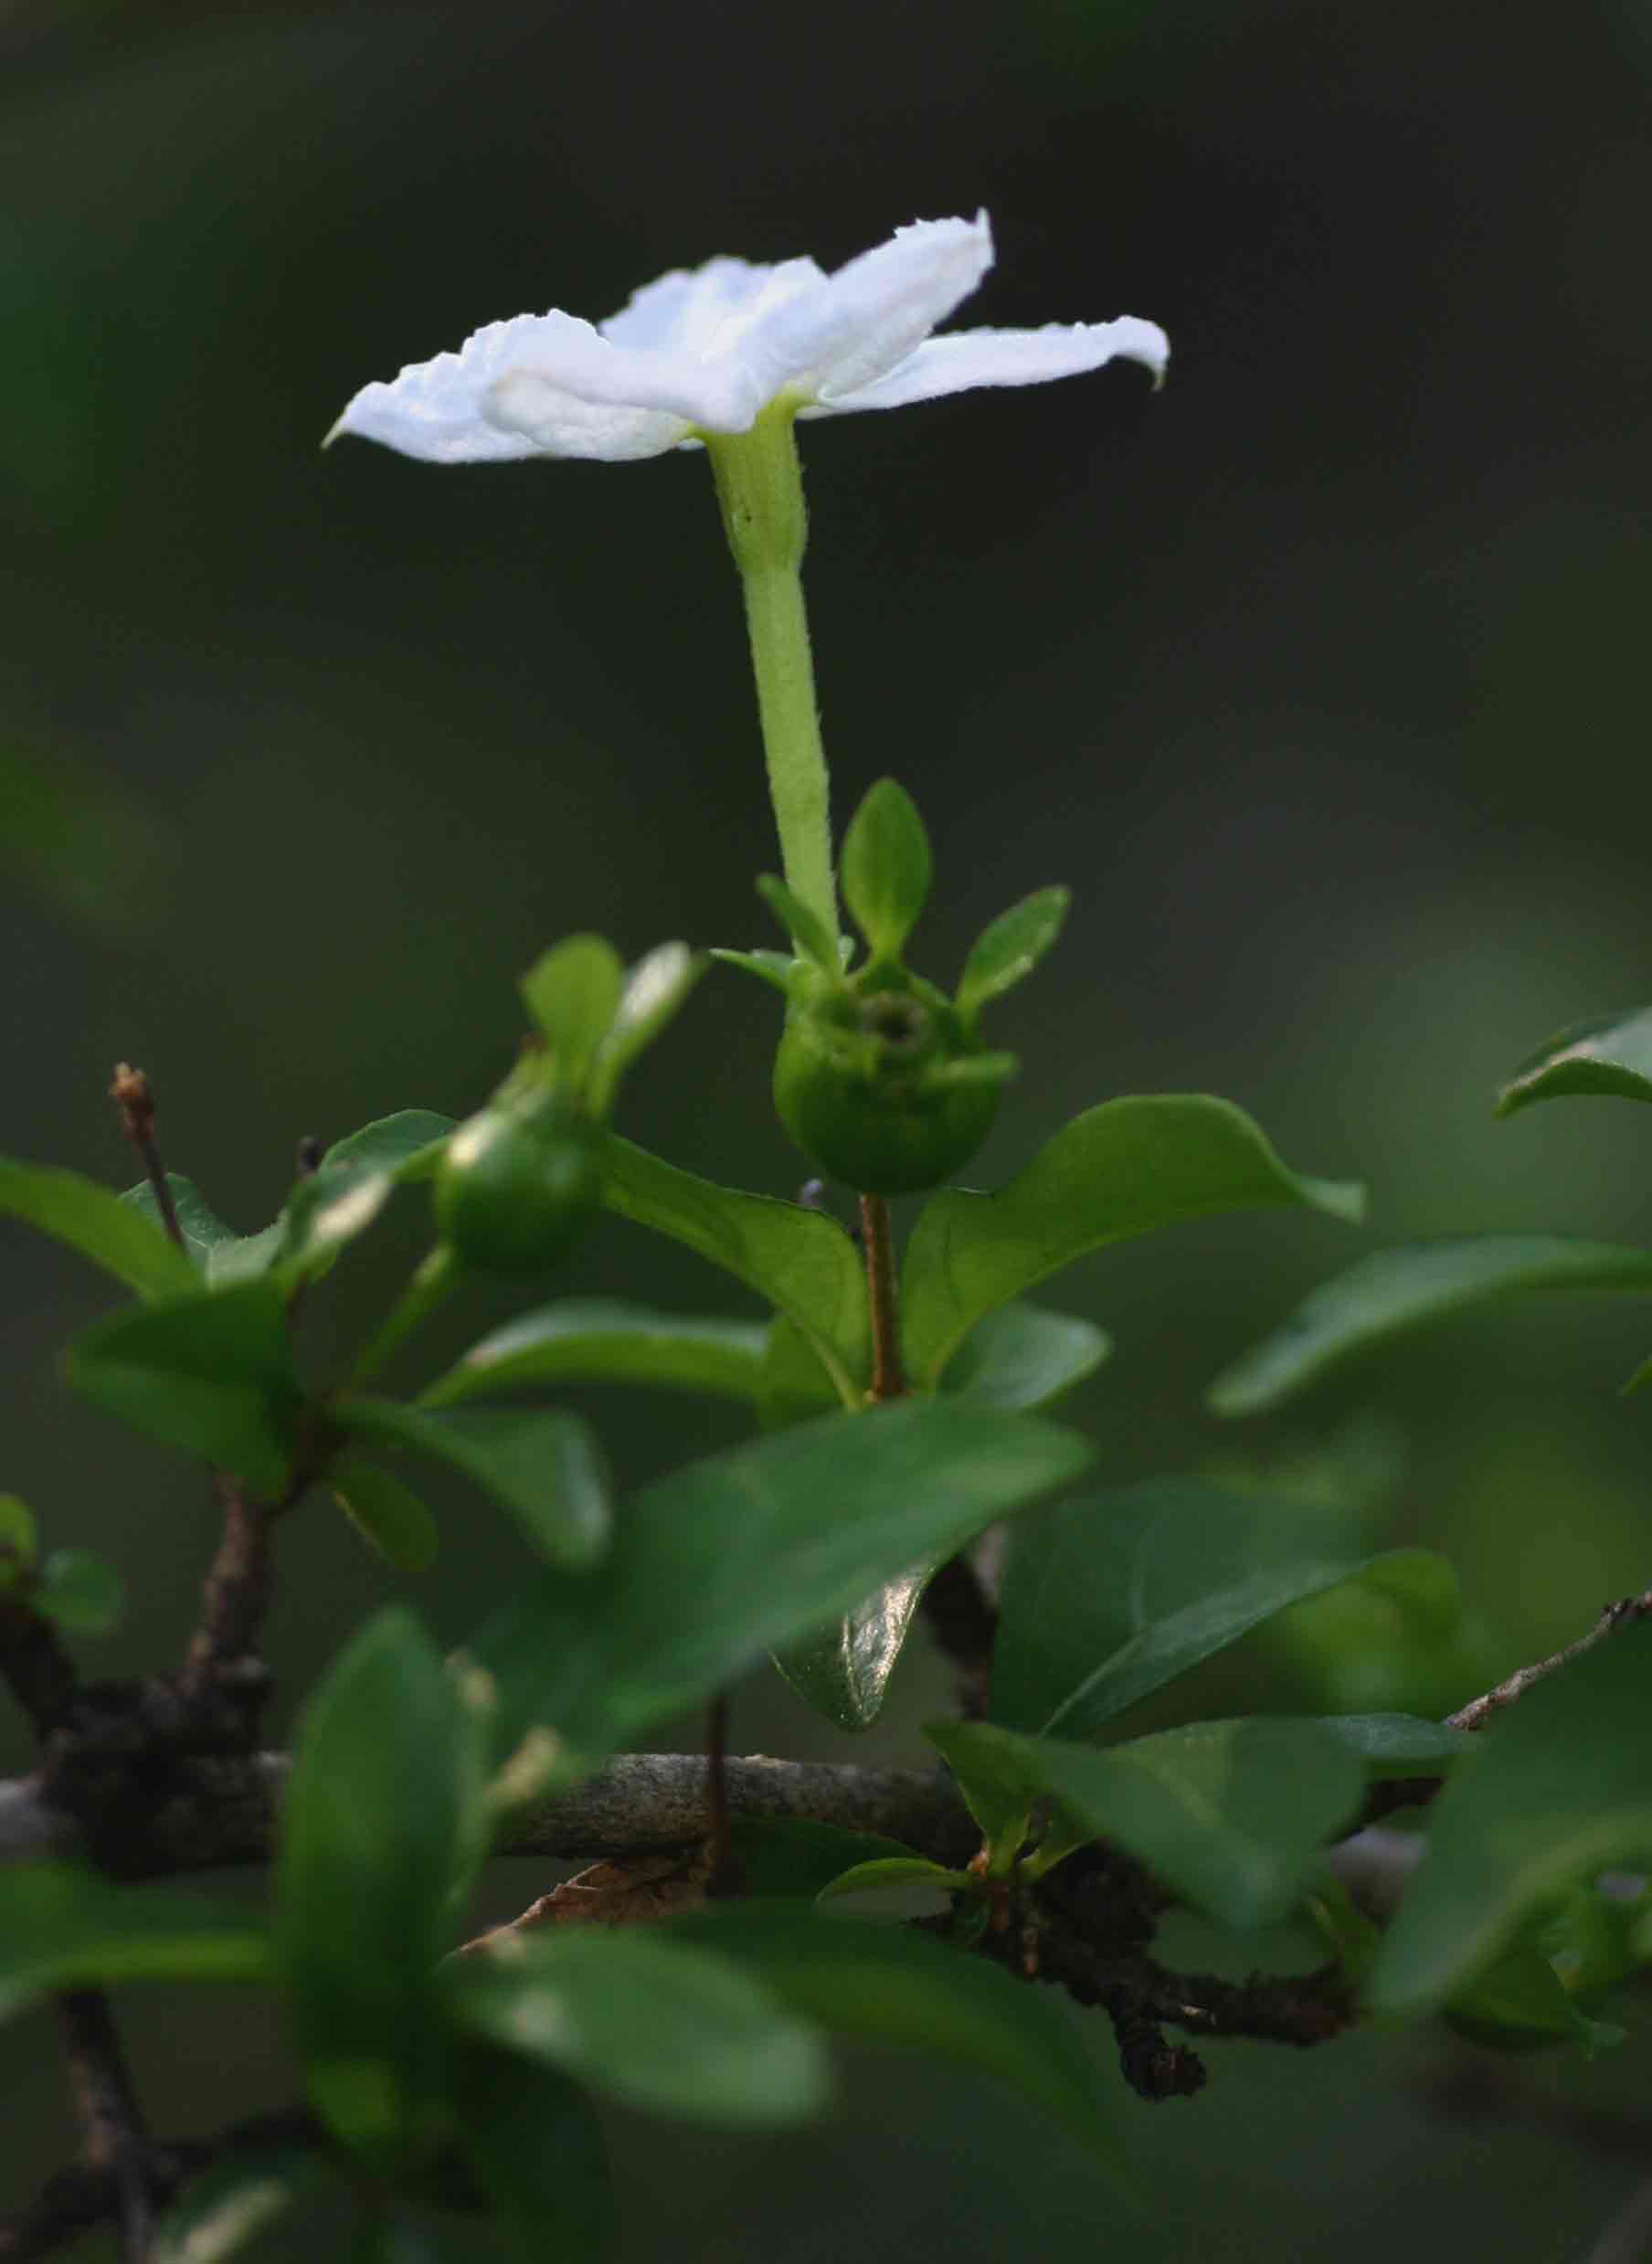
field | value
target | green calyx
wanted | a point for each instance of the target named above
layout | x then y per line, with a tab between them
883	1081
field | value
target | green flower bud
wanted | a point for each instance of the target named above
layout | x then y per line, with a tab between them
882	1083
521	1181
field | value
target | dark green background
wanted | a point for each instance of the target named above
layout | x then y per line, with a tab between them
1320	675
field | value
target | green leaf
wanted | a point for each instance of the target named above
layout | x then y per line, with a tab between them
323	1214
1229	1815
645	2020
541	1464
1111	1596
214	1249
1124	1169
863	1878
773	968
746	1549
535	2146
899	1987
375	1831
1393	1290
1612	1054
806	930
606	1342
886	869
62	1928
655	990
796	1856
1006	952
1520	2002
389	1516
80	1592
1398	1745
1560	1789
17	1537
1022	1356
802	1261
408	1146
572	994
794	1383
97	1223
233	2200
210	1371
842	1670
993	1781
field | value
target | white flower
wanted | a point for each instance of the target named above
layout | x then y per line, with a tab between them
707	349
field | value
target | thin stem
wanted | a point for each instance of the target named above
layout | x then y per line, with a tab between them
883	1299
760	490
235	1596
423	1294
1479	1710
133	1095
110	2119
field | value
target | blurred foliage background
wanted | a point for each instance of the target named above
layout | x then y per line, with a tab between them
1319	675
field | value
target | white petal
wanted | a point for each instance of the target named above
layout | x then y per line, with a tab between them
700	309
434	410
872	313
1002	357
538	419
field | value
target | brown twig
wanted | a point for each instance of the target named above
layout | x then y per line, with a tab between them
727	1872
110	2119
1479	1710
222	1657
216	1810
877	1236
1395	1792
133	1095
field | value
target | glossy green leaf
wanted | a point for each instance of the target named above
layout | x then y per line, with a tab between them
216	1250
655	990
886	869
97	1223
572	994
1007	951
773	968
992	1778
843	1669
1398	1745
375	1833
746	1549
805	929
1124	1169
408	1146
1396	1290
541	1464
793	1384
80	1592
390	1516
1109	1597
17	1537
891	1984
62	1928
1612	1054
535	2146
798	1855
607	1342
1560	1789
802	1261
646	2020
1022	1356
864	1879
211	1371
236	2199
1229	1815
323	1215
